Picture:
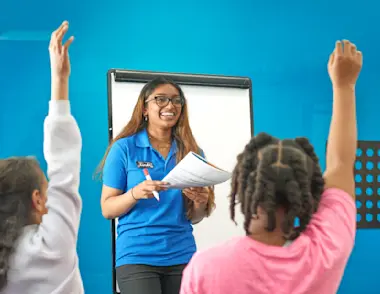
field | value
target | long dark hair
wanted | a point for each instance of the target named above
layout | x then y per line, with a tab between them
19	177
273	173
181	133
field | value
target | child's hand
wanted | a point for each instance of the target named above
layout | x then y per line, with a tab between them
345	64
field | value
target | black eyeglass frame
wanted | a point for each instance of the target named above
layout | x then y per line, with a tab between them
169	100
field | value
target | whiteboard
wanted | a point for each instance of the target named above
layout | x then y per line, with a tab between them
221	119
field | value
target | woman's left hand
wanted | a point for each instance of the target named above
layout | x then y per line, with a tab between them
198	194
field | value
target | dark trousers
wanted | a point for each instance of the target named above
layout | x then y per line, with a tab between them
145	279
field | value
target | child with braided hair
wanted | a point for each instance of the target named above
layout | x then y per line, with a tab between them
286	176
279	181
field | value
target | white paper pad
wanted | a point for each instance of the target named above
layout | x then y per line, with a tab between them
194	171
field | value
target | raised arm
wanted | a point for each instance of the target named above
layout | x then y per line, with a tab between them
344	67
62	151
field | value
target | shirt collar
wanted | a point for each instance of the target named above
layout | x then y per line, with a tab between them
142	140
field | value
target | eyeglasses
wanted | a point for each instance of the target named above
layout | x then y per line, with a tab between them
163	101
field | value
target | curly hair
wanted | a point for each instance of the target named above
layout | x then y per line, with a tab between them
273	173
19	177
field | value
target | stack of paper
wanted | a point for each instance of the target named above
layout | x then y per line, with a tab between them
195	171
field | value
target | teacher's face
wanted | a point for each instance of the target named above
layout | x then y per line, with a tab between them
164	106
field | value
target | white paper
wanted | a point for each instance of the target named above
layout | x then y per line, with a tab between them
194	171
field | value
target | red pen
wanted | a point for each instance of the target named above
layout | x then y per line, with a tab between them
147	176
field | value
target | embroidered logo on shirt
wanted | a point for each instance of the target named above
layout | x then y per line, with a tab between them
144	164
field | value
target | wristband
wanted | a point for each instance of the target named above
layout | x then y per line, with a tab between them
133	195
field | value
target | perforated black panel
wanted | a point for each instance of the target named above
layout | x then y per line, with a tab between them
367	178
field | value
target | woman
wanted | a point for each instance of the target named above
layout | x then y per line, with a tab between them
277	181
39	220
155	239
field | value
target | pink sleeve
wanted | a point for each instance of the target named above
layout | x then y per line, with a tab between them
333	226
188	279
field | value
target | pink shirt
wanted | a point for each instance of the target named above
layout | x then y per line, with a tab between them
314	263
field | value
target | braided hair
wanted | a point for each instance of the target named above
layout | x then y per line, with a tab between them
273	173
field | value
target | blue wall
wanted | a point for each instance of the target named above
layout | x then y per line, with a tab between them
283	46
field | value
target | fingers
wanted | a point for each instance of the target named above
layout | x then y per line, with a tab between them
54	35
347	48
60	28
57	36
187	191
197	192
61	33
155	186
189	194
353	49
68	43
156	183
150	189
352	52
197	189
331	60
196	195
338	48
147	195
359	55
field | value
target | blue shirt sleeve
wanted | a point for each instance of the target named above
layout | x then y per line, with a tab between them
115	167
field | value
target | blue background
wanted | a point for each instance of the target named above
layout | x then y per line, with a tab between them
283	46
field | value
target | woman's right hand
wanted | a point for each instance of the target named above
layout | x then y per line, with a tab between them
145	189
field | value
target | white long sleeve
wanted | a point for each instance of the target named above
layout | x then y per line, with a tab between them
62	150
45	260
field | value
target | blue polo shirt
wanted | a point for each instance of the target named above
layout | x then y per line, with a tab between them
154	232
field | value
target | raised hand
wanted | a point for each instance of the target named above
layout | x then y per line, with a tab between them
344	64
59	54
